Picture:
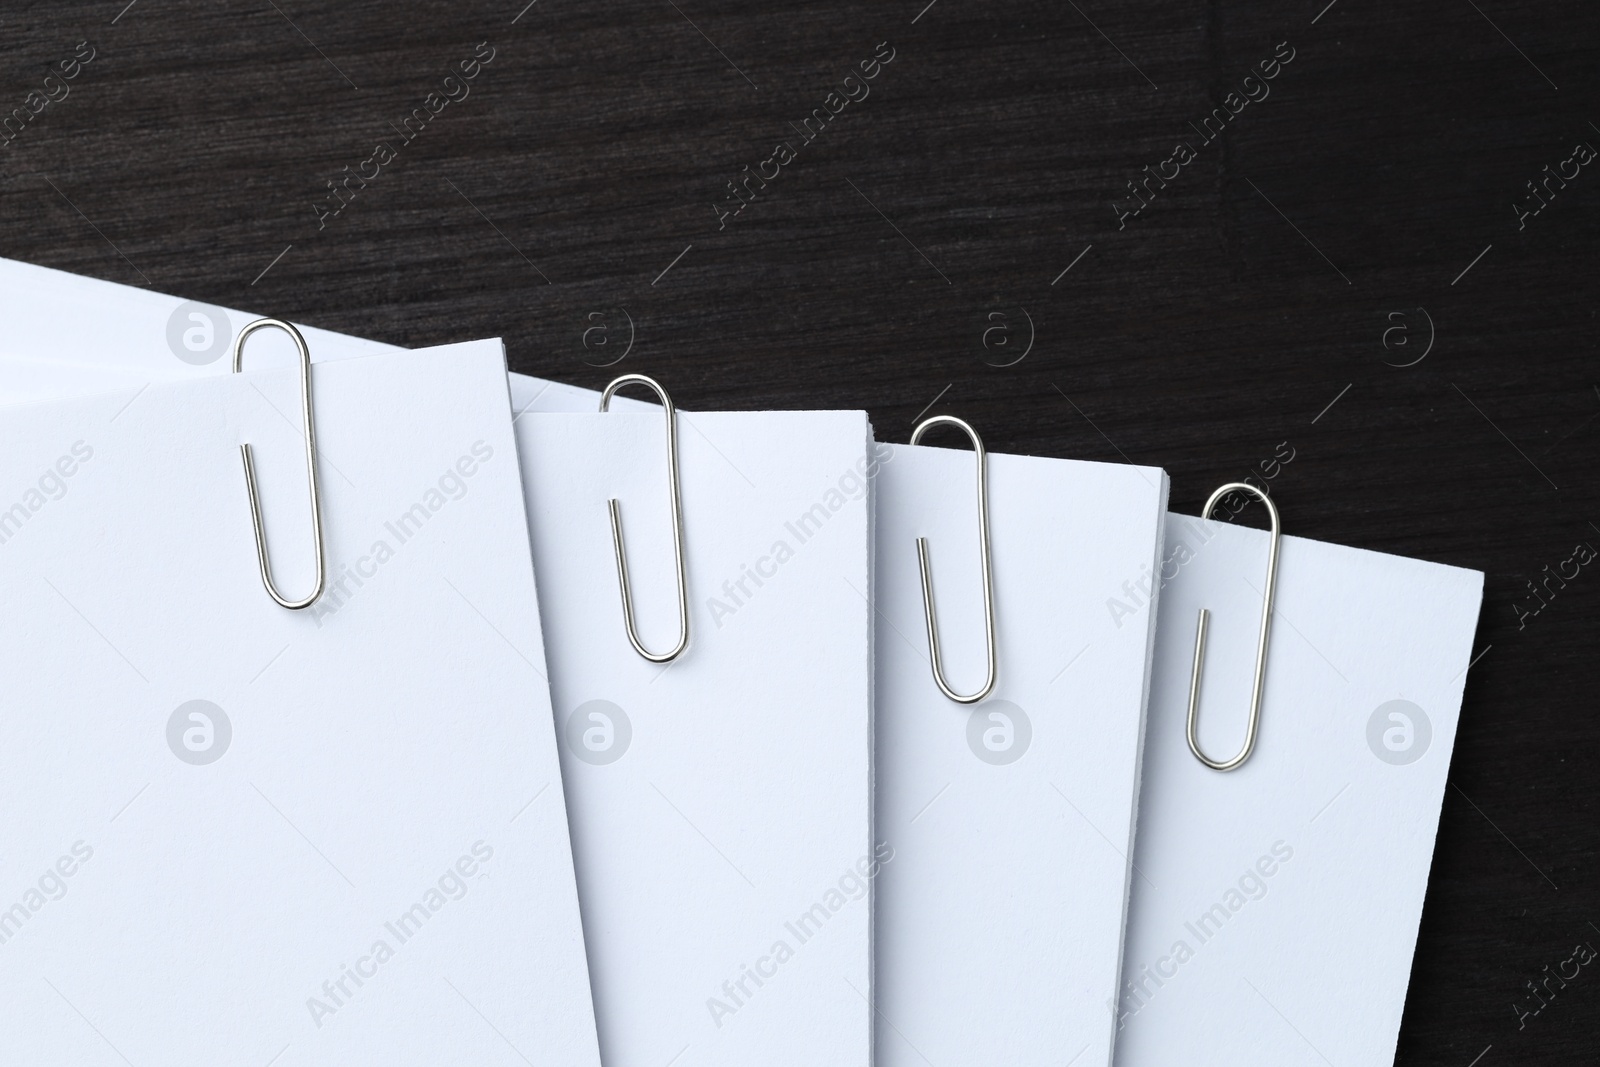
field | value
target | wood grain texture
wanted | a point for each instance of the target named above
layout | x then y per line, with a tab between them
1254	291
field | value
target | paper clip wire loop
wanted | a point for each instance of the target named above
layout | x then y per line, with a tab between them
676	496
1261	641
928	611
311	466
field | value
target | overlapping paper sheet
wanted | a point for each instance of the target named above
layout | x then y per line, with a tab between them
1275	908
1000	918
237	833
721	804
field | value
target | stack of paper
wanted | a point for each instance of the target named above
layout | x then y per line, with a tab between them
449	811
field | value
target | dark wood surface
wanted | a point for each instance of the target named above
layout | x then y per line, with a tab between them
1361	216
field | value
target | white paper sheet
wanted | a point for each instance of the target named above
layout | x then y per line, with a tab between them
1276	906
1000	919
240	834
721	804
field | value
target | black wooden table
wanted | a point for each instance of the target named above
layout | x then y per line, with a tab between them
1196	235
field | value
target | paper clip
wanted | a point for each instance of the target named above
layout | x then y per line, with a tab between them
928	611
1261	641
311	465
677	527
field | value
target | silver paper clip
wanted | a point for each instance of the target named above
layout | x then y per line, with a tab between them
928	611
677	527
311	465
1261	641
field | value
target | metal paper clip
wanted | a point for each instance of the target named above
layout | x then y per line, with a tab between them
983	549
1261	641
677	527
311	465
